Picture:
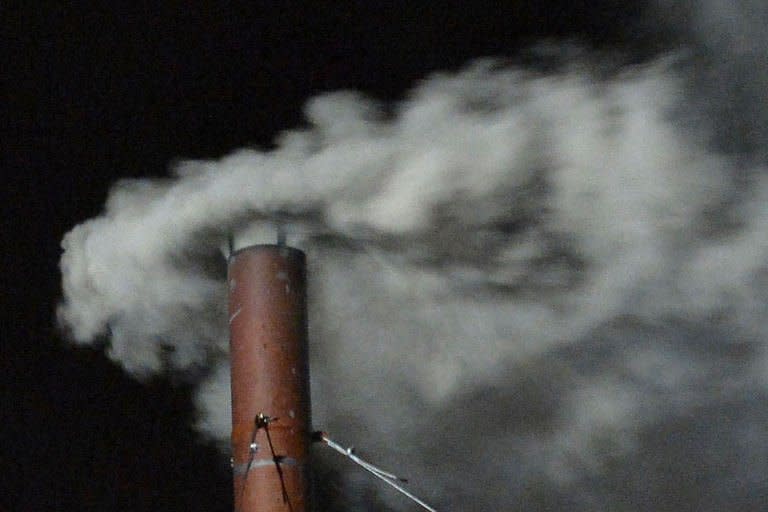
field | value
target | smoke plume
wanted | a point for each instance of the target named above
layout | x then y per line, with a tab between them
534	290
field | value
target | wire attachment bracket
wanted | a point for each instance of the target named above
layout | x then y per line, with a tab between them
262	421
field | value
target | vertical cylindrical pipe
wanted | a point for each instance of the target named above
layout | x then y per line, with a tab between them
270	379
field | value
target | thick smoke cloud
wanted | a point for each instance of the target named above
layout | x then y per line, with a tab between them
529	290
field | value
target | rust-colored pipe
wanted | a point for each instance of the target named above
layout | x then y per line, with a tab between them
268	347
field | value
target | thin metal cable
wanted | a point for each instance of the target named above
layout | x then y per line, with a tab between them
388	478
277	459
263	421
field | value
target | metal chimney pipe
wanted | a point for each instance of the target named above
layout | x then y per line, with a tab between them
270	379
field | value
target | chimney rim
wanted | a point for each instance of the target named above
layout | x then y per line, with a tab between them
268	247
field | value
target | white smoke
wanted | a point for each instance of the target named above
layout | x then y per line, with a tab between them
517	279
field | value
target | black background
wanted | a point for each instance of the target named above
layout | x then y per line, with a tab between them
94	93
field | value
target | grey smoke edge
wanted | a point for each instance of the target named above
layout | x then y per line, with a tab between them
728	44
518	296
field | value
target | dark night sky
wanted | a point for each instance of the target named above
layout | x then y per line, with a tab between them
97	93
